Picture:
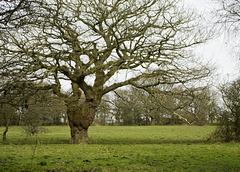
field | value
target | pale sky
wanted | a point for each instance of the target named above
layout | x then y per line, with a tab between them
218	50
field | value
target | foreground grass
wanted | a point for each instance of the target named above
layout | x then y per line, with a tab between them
163	148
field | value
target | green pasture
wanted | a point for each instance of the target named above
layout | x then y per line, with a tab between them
152	148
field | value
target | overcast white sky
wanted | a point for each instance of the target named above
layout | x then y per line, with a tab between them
218	50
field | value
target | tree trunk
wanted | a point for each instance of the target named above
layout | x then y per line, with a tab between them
79	135
5	132
237	129
80	117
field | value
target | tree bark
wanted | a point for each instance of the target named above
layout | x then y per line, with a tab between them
80	117
79	135
6	130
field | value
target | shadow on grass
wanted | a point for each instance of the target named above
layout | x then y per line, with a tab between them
144	141
102	141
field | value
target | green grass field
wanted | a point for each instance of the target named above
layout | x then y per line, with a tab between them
152	148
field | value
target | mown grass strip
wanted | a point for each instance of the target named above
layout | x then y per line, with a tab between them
117	135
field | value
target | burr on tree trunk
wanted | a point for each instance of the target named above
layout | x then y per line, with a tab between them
80	117
81	113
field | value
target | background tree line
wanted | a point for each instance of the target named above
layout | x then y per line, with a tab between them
40	108
176	105
168	105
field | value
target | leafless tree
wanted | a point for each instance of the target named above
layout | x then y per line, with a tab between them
228	16
229	130
231	98
43	108
101	45
7	112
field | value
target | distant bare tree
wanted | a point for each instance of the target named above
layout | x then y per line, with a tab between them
43	108
7	112
231	98
230	14
229	18
230	118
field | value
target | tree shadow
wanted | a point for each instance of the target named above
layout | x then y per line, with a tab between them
102	141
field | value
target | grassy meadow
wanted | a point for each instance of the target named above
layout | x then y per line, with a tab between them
150	148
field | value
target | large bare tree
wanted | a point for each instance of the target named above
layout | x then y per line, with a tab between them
101	45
